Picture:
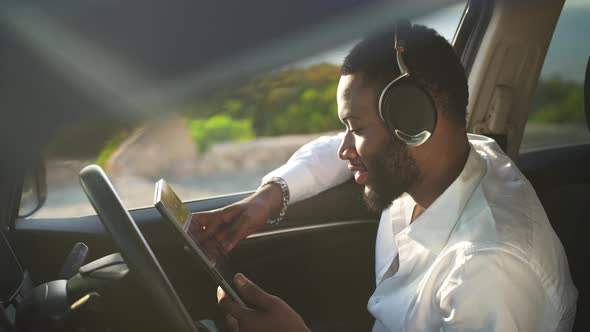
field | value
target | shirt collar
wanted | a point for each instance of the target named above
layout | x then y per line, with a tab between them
434	226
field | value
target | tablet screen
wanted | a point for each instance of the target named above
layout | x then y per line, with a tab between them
172	203
207	249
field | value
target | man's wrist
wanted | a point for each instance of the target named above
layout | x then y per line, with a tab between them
271	196
279	187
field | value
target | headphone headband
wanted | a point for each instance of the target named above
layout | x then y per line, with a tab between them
399	46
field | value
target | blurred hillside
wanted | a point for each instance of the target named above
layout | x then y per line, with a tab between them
290	102
294	101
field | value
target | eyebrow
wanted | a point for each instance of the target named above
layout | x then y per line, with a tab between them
349	116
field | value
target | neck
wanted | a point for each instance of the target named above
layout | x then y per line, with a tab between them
443	166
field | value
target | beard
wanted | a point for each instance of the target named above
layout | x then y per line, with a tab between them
389	176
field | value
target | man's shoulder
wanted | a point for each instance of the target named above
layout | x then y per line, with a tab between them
504	221
504	212
504	196
508	245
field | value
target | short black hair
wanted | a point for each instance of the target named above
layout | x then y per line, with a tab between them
430	58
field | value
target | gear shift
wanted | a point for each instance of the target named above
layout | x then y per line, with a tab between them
76	258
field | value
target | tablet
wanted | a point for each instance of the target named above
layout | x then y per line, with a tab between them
205	248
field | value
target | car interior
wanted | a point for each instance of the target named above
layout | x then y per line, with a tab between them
124	270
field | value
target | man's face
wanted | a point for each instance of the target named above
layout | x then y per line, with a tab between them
380	163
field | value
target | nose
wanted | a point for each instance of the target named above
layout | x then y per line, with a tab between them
347	150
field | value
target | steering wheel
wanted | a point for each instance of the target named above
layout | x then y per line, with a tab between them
133	247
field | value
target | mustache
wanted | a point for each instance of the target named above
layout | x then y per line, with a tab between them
356	164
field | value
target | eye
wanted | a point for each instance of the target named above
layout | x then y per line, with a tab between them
356	131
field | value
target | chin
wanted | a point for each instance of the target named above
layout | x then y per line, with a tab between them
369	190
377	201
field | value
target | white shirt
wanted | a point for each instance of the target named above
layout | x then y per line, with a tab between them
482	257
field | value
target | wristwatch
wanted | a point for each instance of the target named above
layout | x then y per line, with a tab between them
285	191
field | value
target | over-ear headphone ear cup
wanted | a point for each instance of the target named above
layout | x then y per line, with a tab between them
407	108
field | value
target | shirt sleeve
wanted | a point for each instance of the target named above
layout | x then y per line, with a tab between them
494	290
314	168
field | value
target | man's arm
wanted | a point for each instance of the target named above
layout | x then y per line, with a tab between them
314	168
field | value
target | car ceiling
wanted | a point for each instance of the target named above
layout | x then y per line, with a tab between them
65	58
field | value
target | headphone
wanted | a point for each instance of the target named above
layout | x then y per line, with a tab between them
405	106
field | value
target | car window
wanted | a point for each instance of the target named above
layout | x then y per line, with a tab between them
219	144
557	115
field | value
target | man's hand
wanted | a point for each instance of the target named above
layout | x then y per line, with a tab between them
230	224
265	313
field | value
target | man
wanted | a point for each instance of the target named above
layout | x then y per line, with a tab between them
469	248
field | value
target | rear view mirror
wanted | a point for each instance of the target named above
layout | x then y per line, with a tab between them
34	190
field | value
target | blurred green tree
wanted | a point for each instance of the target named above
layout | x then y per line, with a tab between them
292	101
558	101
219	128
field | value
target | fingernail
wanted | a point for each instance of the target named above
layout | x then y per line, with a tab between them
240	280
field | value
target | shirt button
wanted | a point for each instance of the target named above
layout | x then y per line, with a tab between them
377	300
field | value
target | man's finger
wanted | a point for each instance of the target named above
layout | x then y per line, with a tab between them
212	224
234	234
209	220
202	224
234	309
253	294
231	323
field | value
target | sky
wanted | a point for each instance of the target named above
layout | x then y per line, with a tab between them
566	58
444	21
578	3
570	47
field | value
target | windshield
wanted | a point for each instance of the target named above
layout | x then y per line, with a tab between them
216	144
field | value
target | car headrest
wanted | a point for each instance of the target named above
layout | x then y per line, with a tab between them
587	94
